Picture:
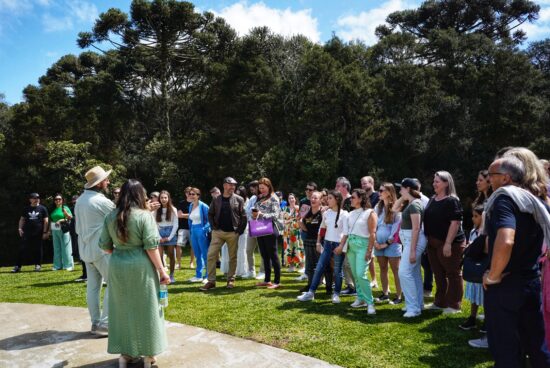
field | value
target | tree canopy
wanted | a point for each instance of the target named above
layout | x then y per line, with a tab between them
174	97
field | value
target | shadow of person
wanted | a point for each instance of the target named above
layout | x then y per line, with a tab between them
449	340
42	338
111	363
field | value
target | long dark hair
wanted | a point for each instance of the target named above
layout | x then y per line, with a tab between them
132	195
389	215
338	197
362	195
481	197
168	207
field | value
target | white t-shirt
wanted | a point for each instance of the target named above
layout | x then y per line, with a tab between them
358	222
195	216
334	234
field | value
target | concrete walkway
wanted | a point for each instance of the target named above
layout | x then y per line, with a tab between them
34	335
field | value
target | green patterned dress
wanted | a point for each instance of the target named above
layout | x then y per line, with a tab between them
136	320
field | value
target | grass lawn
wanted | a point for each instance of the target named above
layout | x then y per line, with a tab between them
334	333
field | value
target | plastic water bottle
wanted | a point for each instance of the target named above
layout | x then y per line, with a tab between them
163	296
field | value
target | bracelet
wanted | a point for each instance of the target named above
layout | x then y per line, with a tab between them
489	281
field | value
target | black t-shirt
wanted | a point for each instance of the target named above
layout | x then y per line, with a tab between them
346	205
312	223
438	216
34	219
183	206
527	240
374	198
225	216
305	205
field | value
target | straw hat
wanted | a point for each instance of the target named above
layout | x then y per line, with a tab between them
95	175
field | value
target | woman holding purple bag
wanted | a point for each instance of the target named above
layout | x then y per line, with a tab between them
267	207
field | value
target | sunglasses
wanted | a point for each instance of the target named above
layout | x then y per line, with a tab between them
193	194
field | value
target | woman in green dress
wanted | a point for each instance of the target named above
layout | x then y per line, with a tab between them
136	319
62	246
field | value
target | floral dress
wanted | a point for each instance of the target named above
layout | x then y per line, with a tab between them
293	245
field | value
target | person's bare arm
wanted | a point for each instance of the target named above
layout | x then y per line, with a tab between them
451	234
154	256
502	251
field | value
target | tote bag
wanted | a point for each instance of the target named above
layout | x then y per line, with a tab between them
260	227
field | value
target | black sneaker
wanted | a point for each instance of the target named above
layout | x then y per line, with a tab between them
383	298
397	301
349	291
483	329
469	324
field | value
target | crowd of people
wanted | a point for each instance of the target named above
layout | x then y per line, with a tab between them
332	237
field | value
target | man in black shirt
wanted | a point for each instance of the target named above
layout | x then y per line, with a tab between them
513	317
367	184
33	228
227	218
74	240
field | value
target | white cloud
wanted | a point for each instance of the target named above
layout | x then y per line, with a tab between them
56	24
540	29
243	17
15	6
74	12
362	26
83	11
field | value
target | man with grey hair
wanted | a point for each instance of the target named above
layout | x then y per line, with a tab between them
512	284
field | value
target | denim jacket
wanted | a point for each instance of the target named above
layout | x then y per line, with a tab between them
203	208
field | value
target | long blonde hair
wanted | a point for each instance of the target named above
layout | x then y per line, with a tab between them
536	178
448	178
389	216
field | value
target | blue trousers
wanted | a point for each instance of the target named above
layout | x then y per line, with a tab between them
199	242
324	263
514	322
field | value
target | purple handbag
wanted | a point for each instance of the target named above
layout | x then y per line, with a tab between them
260	227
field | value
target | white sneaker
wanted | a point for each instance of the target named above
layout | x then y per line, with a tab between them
302	270
260	276
69	269
411	314
306	297
374	285
481	317
195	279
335	299
371	309
432	307
250	275
302	277
358	304
205	281
451	311
480	343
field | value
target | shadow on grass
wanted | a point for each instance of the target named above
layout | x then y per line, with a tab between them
57	283
42	338
220	289
448	340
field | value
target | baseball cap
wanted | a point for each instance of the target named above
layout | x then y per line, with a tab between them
229	180
407	183
34	195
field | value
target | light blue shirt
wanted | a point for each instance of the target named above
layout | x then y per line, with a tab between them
90	210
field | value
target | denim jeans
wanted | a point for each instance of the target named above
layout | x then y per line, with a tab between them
410	274
199	243
324	263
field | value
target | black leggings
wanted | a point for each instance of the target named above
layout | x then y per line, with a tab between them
268	251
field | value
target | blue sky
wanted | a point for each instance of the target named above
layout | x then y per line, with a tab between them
36	33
